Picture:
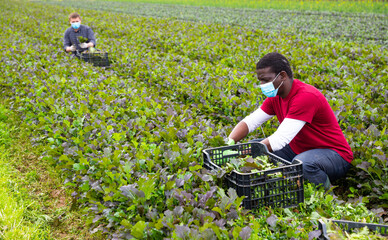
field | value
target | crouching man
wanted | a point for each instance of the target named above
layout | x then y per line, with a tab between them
78	38
308	129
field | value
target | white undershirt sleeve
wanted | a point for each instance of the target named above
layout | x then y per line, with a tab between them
285	133
255	119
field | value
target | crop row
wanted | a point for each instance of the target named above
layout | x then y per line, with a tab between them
359	27
129	138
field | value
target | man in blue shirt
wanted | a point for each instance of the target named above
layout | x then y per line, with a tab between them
71	41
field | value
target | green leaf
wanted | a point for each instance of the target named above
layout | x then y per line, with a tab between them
138	229
147	186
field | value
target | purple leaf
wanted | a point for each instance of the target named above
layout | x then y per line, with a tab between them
152	214
315	234
188	176
179	198
381	157
272	220
232	215
181	231
168	213
170	112
206	178
188	196
179	182
245	233
250	160
205	198
220	223
96	186
364	165
178	211
96	218
232	194
130	190
379	211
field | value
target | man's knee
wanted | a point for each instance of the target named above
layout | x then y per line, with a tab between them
308	162
309	167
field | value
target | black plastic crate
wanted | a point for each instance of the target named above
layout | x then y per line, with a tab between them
278	187
97	59
349	226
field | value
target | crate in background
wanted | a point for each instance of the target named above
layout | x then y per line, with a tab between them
278	187
349	225
97	59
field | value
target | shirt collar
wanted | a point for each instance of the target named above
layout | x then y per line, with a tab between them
292	91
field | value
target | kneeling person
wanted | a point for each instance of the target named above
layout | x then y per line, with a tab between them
71	39
308	129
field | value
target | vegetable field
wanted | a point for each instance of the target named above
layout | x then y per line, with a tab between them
356	26
128	139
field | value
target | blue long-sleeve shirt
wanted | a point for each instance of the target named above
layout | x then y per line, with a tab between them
71	37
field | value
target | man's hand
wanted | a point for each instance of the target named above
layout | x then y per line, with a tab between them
72	48
84	45
230	142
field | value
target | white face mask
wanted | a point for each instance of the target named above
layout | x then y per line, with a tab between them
268	88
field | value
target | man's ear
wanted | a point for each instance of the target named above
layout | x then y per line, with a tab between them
283	75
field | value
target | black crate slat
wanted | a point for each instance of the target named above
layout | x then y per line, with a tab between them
97	59
279	187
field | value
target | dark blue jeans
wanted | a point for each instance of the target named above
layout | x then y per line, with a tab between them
318	164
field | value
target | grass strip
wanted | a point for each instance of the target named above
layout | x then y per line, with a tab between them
33	201
15	205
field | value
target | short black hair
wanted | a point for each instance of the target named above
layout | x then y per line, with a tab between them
277	62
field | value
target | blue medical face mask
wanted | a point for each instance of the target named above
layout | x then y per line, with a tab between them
268	88
75	25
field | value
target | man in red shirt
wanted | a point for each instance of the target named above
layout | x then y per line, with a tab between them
308	129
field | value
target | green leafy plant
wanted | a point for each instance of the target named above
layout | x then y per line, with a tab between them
82	39
129	139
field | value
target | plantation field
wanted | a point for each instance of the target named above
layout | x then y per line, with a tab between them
128	138
364	6
361	27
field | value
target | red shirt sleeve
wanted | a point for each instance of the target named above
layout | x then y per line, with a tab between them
267	106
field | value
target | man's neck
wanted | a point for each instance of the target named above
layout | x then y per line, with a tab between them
287	89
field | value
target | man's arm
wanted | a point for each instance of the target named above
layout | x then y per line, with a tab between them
249	124
66	41
239	132
287	130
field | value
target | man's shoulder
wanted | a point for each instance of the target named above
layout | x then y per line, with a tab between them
305	88
85	26
68	30
305	92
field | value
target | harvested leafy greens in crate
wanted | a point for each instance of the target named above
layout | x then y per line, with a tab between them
279	184
343	229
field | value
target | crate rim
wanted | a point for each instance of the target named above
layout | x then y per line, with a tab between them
322	226
299	162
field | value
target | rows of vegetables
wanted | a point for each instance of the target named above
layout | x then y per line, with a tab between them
360	27
128	138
